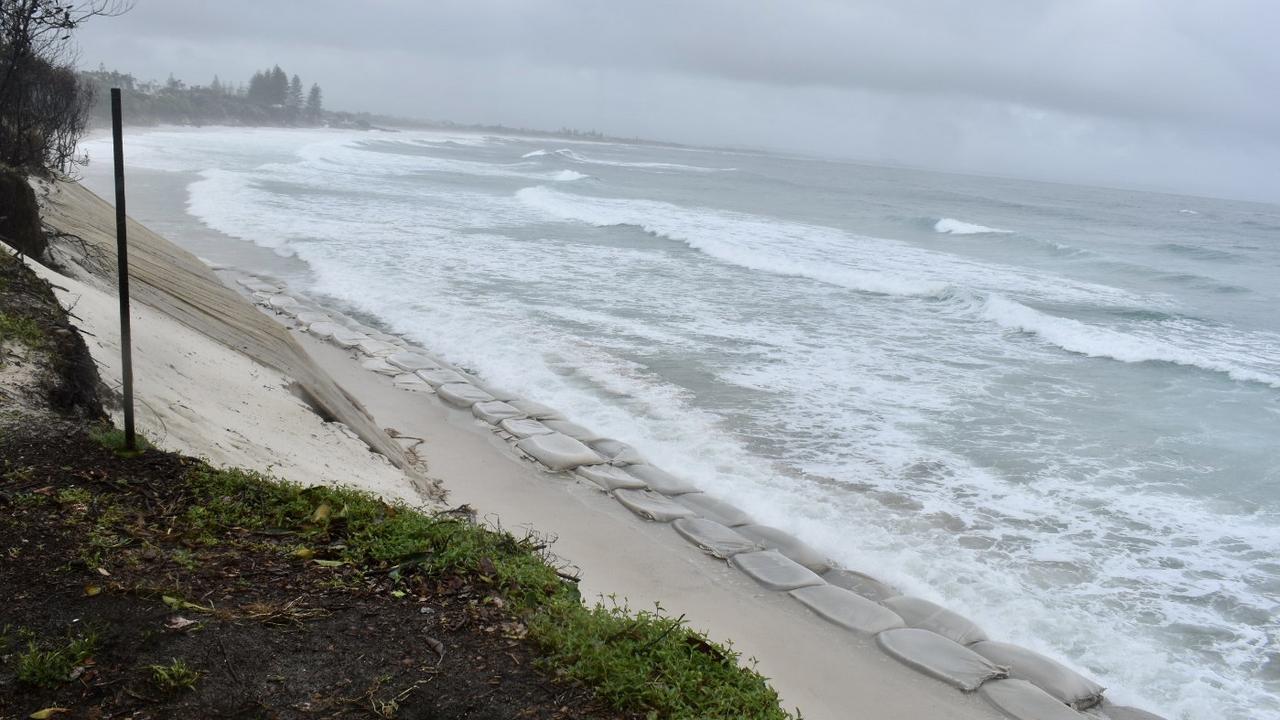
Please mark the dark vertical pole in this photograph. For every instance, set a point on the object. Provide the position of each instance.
(122, 258)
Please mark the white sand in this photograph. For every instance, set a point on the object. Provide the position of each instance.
(199, 397)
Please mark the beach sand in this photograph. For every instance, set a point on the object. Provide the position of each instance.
(825, 671)
(199, 392)
(197, 396)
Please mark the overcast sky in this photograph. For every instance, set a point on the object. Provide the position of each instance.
(1164, 94)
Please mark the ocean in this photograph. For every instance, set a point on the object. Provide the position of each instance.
(1052, 408)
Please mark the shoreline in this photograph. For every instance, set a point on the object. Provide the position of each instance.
(541, 509)
(824, 673)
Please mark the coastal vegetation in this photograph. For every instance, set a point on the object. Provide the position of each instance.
(44, 106)
(270, 98)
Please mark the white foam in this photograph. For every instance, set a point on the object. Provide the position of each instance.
(814, 408)
(1078, 337)
(828, 255)
(959, 227)
(579, 158)
(535, 153)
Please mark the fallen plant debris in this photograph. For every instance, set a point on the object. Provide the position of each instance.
(257, 630)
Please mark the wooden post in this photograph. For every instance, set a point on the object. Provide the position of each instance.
(122, 263)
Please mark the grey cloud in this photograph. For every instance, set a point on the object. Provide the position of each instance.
(1027, 75)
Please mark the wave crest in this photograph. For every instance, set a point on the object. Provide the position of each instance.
(572, 156)
(1092, 341)
(951, 226)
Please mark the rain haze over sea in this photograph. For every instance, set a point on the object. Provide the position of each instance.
(1053, 408)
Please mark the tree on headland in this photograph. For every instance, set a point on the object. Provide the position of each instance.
(293, 100)
(314, 109)
(44, 108)
(257, 92)
(277, 86)
(265, 101)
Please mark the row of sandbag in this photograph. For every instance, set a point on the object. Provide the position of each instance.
(922, 635)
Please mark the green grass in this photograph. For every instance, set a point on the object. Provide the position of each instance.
(50, 667)
(74, 496)
(112, 438)
(636, 661)
(651, 662)
(174, 677)
(22, 330)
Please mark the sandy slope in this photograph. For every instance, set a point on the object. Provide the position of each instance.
(174, 281)
(199, 397)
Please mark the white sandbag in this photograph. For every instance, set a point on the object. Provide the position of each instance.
(380, 366)
(938, 657)
(462, 395)
(498, 393)
(1021, 700)
(258, 285)
(411, 361)
(324, 330)
(409, 381)
(848, 609)
(361, 328)
(280, 302)
(538, 411)
(774, 570)
(661, 480)
(651, 506)
(342, 337)
(377, 348)
(788, 545)
(558, 452)
(295, 309)
(1049, 675)
(616, 451)
(495, 411)
(442, 376)
(920, 613)
(610, 478)
(861, 583)
(712, 537)
(1124, 712)
(715, 509)
(524, 427)
(308, 318)
(573, 430)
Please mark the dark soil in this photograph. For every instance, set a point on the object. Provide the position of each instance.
(270, 635)
(20, 224)
(69, 383)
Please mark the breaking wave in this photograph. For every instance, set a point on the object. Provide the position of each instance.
(572, 156)
(1093, 341)
(951, 226)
